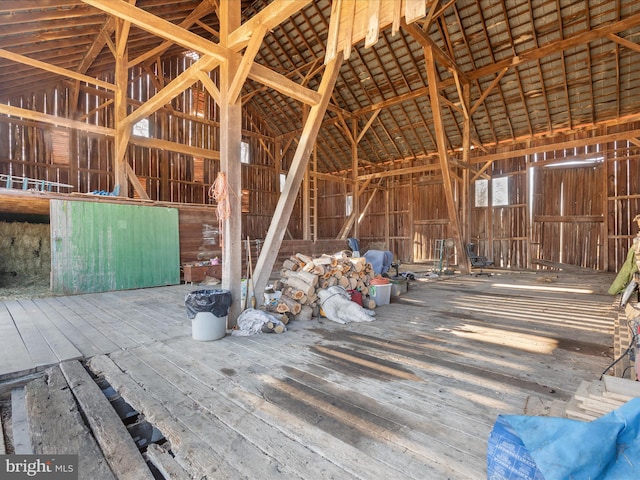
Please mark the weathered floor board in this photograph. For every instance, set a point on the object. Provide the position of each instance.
(57, 427)
(14, 356)
(55, 339)
(39, 350)
(412, 394)
(118, 448)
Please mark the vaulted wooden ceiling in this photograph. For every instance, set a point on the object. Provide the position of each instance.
(534, 67)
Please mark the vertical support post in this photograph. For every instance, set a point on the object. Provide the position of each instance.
(606, 210)
(466, 150)
(432, 76)
(123, 129)
(387, 218)
(412, 227)
(354, 175)
(230, 140)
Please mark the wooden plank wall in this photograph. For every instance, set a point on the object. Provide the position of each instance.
(431, 221)
(569, 227)
(191, 118)
(398, 198)
(332, 208)
(408, 213)
(506, 243)
(623, 199)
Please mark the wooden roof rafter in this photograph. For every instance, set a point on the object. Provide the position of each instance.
(564, 66)
(589, 65)
(516, 73)
(395, 139)
(539, 67)
(204, 8)
(410, 123)
(558, 46)
(498, 90)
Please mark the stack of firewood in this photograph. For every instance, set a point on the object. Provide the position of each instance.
(302, 276)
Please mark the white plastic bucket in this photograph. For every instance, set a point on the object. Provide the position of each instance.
(206, 326)
(380, 293)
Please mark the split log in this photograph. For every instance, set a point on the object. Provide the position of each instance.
(306, 312)
(323, 284)
(336, 273)
(324, 259)
(292, 306)
(304, 258)
(293, 292)
(298, 284)
(369, 303)
(344, 282)
(306, 277)
(290, 265)
(364, 291)
(358, 263)
(332, 281)
(272, 308)
(318, 270)
(353, 283)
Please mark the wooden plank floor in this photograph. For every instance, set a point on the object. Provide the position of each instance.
(41, 332)
(413, 394)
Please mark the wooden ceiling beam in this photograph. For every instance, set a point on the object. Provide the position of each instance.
(174, 88)
(97, 45)
(54, 69)
(558, 46)
(624, 42)
(156, 143)
(245, 64)
(274, 12)
(487, 91)
(54, 120)
(520, 152)
(202, 10)
(443, 58)
(400, 171)
(367, 126)
(209, 85)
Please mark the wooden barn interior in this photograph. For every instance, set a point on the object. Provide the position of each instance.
(144, 143)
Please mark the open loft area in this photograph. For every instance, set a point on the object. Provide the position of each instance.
(512, 125)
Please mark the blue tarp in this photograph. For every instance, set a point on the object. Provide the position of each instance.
(380, 260)
(524, 447)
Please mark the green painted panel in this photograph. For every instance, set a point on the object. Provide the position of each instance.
(98, 247)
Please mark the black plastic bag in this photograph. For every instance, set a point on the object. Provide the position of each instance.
(214, 301)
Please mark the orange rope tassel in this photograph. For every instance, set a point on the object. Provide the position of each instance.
(219, 191)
